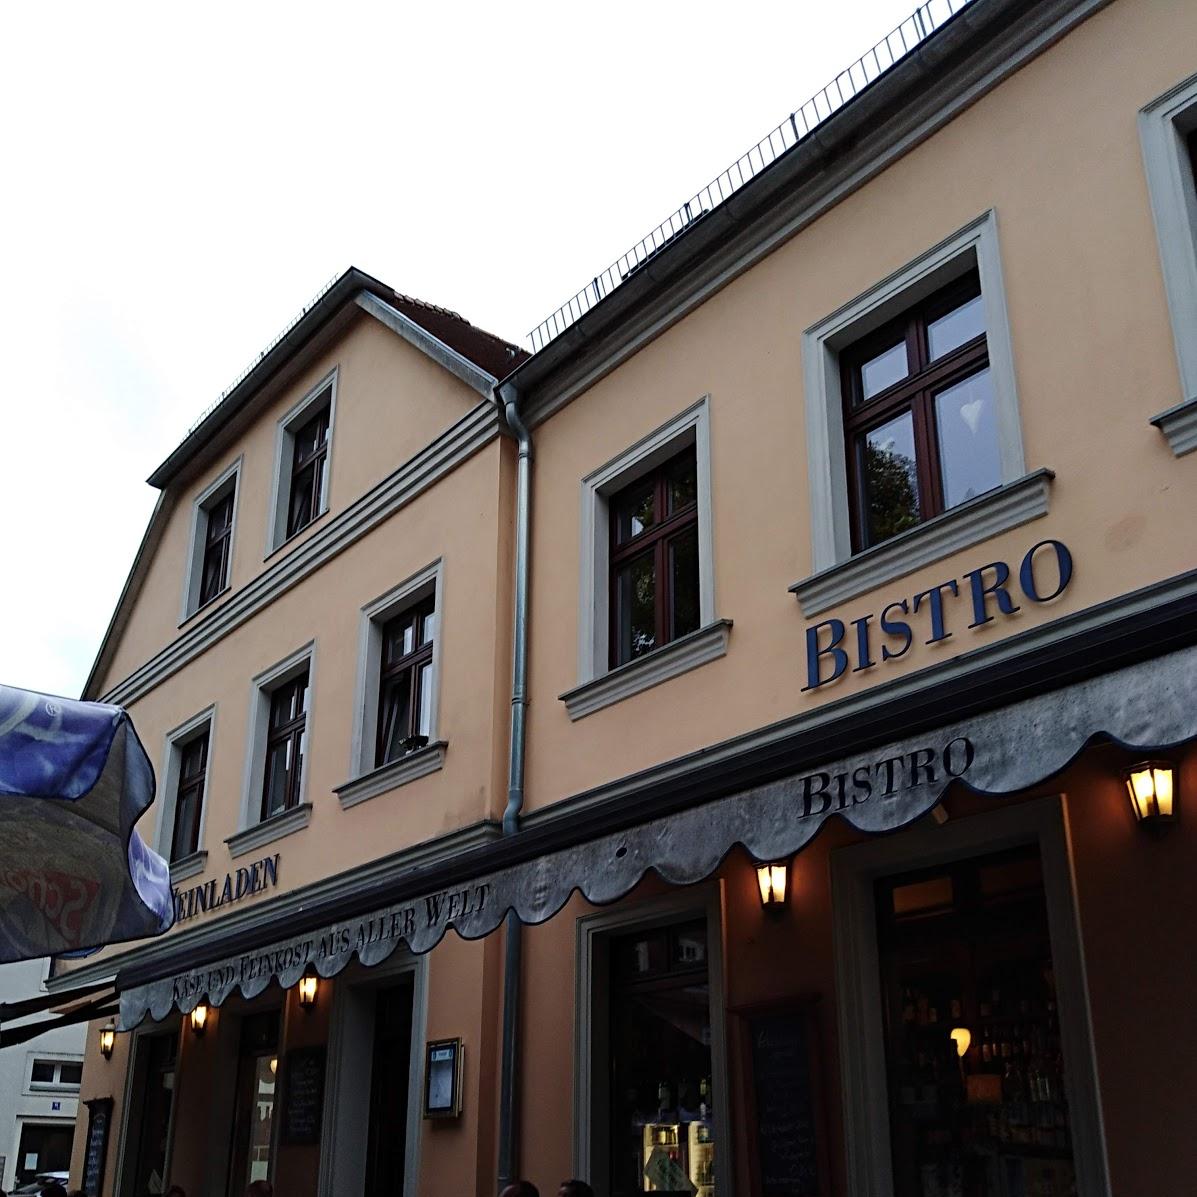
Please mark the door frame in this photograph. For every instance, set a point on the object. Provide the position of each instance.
(591, 1027)
(345, 1125)
(854, 870)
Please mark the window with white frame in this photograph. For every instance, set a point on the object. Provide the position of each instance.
(1168, 133)
(914, 442)
(398, 680)
(184, 792)
(302, 457)
(647, 586)
(58, 1075)
(210, 560)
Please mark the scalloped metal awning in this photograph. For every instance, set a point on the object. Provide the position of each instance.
(1146, 707)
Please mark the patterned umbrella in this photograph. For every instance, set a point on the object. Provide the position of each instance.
(74, 874)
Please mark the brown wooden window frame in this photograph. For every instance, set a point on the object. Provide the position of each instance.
(657, 540)
(915, 393)
(190, 785)
(308, 469)
(292, 731)
(406, 670)
(218, 541)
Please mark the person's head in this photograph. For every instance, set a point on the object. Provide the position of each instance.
(520, 1188)
(54, 1189)
(173, 1191)
(575, 1188)
(260, 1188)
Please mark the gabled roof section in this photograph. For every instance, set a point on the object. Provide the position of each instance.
(474, 355)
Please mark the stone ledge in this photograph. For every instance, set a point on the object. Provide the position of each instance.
(391, 776)
(1179, 426)
(274, 828)
(660, 665)
(979, 519)
(188, 866)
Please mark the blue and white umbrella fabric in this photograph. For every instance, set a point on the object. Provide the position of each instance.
(74, 874)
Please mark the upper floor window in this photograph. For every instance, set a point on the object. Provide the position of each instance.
(919, 414)
(308, 466)
(1168, 132)
(913, 438)
(218, 536)
(286, 744)
(189, 797)
(211, 559)
(405, 682)
(654, 559)
(302, 456)
(56, 1074)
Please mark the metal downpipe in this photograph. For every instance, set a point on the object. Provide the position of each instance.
(508, 1087)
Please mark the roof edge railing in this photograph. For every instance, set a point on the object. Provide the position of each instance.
(799, 125)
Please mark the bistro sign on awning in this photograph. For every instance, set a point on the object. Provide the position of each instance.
(1147, 706)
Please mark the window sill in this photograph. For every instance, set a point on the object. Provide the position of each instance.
(1179, 426)
(205, 606)
(979, 519)
(274, 828)
(188, 866)
(389, 777)
(707, 644)
(290, 540)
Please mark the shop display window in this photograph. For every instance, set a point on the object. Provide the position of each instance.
(973, 1052)
(663, 1136)
(255, 1101)
(150, 1137)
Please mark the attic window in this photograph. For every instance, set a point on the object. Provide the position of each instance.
(303, 456)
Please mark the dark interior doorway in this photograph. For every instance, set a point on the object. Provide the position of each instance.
(386, 1151)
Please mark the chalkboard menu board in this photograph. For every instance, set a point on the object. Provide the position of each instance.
(304, 1095)
(782, 1054)
(99, 1122)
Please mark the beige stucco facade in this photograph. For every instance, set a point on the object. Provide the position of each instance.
(1050, 158)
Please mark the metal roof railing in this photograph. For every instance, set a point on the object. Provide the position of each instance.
(282, 336)
(910, 34)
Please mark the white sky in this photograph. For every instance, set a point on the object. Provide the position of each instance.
(179, 181)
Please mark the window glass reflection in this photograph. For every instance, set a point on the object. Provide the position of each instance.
(956, 328)
(883, 371)
(968, 440)
(890, 479)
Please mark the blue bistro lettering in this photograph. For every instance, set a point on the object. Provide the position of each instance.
(986, 590)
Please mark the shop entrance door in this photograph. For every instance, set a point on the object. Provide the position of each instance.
(251, 1157)
(972, 1034)
(661, 1138)
(386, 1150)
(149, 1128)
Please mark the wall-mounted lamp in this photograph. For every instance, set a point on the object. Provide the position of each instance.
(1152, 793)
(309, 983)
(199, 1019)
(772, 879)
(107, 1039)
(961, 1037)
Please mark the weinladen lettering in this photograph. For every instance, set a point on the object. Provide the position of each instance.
(245, 882)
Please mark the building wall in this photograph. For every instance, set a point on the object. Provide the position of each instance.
(1055, 152)
(391, 401)
(20, 1102)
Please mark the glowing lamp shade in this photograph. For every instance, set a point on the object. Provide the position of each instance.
(772, 881)
(107, 1040)
(1152, 793)
(199, 1019)
(961, 1037)
(308, 986)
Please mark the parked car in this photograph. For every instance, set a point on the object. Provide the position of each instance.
(40, 1181)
